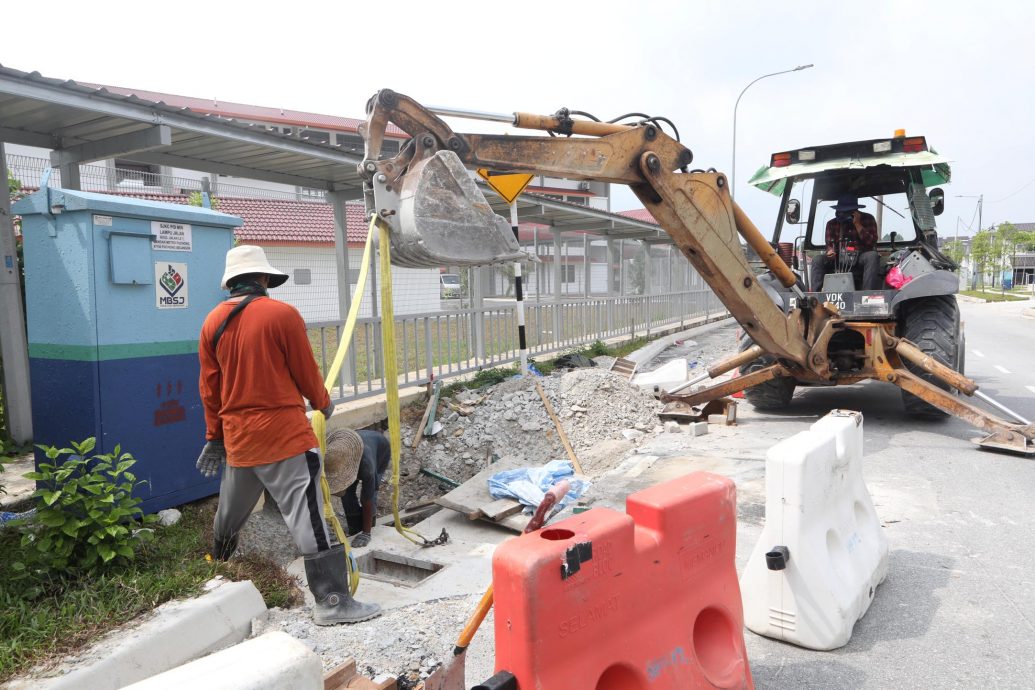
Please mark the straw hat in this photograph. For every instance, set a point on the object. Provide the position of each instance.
(248, 258)
(344, 451)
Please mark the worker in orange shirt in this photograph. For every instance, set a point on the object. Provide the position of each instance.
(256, 367)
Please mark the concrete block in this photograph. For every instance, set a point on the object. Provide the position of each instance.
(274, 661)
(672, 427)
(178, 632)
(698, 428)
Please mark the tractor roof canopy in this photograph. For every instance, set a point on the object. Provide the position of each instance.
(814, 161)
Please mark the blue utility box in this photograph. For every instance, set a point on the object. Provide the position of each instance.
(116, 291)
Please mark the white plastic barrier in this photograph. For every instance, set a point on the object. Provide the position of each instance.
(274, 661)
(823, 552)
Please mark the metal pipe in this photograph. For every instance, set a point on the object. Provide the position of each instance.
(508, 118)
(749, 231)
(1001, 407)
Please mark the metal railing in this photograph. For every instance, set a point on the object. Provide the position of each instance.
(449, 343)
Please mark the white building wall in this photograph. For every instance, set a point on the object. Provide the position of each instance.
(414, 290)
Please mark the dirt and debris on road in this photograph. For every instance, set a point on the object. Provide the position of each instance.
(408, 642)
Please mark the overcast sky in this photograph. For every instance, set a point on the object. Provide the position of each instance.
(960, 73)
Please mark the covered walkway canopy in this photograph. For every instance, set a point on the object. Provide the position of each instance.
(86, 123)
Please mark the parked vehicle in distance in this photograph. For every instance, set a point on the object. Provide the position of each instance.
(449, 286)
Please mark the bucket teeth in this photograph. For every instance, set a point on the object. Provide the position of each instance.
(444, 219)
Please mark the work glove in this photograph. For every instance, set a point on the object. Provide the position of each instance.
(212, 457)
(361, 540)
(327, 411)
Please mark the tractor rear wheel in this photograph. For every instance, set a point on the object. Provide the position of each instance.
(933, 325)
(774, 394)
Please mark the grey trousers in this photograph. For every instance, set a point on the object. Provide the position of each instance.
(294, 484)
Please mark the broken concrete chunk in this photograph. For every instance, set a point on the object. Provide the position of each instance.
(633, 434)
(672, 428)
(530, 426)
(169, 517)
(698, 428)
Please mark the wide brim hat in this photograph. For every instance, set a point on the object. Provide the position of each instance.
(247, 259)
(341, 462)
(848, 203)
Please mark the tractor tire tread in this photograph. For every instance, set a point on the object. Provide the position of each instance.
(933, 325)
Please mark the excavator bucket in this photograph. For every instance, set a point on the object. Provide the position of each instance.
(443, 219)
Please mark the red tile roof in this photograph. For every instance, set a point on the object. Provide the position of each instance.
(309, 222)
(241, 111)
(640, 214)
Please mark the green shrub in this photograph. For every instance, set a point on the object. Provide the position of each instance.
(87, 517)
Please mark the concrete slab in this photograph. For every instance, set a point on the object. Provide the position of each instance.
(274, 661)
(175, 634)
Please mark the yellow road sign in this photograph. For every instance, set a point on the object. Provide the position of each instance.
(507, 185)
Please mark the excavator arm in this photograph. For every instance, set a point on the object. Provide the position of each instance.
(437, 215)
(694, 208)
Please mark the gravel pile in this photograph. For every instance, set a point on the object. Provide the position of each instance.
(408, 642)
(509, 419)
(597, 405)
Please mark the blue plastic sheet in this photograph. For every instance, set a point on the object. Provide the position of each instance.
(528, 485)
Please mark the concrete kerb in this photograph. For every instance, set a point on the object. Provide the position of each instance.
(364, 412)
(177, 633)
(273, 661)
(645, 354)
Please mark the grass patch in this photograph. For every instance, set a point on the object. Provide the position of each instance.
(70, 614)
(992, 296)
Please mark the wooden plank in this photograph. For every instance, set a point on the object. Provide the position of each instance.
(345, 677)
(336, 678)
(500, 508)
(560, 429)
(470, 496)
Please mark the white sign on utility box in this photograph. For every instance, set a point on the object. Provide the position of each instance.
(822, 553)
(171, 237)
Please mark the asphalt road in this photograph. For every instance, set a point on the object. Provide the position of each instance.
(958, 607)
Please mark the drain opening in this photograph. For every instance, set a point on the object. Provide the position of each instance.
(395, 569)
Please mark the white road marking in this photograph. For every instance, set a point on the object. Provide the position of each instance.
(1001, 368)
(978, 353)
(1031, 388)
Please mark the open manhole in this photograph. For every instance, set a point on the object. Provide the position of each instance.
(395, 569)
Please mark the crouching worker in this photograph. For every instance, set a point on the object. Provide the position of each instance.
(356, 464)
(256, 367)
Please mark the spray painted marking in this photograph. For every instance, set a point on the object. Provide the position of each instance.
(978, 353)
(1001, 368)
(1031, 388)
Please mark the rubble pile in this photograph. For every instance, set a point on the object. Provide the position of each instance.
(597, 405)
(509, 419)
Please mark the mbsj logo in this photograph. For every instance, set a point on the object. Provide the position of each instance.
(171, 281)
(170, 285)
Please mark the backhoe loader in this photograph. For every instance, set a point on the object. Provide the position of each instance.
(436, 215)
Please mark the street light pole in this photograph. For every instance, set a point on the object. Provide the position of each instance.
(973, 268)
(733, 175)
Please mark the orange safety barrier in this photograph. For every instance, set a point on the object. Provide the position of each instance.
(613, 601)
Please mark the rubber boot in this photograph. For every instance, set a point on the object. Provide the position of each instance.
(223, 549)
(354, 523)
(328, 581)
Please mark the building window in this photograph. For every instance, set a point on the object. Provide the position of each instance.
(580, 200)
(136, 174)
(568, 273)
(303, 276)
(316, 135)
